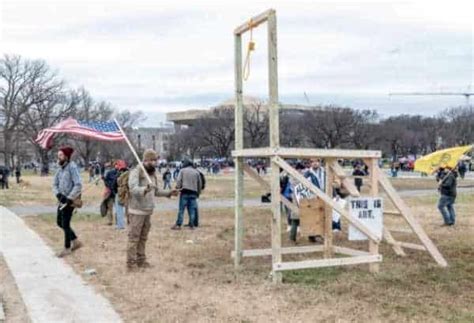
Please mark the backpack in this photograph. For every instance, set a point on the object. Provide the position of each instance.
(203, 180)
(123, 190)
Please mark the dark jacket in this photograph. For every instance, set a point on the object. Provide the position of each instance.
(448, 183)
(358, 181)
(110, 181)
(167, 176)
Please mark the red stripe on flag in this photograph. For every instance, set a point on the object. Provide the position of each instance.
(71, 126)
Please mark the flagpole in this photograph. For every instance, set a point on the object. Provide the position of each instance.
(140, 164)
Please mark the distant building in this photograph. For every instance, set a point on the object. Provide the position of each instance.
(157, 138)
(188, 117)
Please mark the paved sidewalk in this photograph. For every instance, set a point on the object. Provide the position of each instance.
(51, 290)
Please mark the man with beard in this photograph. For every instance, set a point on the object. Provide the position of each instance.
(140, 209)
(67, 187)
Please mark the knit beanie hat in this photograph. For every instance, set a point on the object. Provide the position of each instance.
(67, 151)
(150, 154)
(120, 164)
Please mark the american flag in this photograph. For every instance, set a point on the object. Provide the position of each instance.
(99, 130)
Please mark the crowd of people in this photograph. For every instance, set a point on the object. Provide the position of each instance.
(128, 198)
(5, 174)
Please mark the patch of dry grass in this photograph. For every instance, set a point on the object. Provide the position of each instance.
(35, 189)
(196, 281)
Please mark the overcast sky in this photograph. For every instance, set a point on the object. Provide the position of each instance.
(161, 56)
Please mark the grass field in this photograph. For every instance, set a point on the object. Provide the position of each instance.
(36, 190)
(194, 281)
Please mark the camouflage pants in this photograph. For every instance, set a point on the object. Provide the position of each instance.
(138, 230)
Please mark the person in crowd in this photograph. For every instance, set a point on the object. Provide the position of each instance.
(203, 182)
(189, 183)
(140, 208)
(358, 181)
(317, 175)
(18, 174)
(98, 171)
(294, 218)
(167, 178)
(2, 169)
(91, 173)
(286, 189)
(110, 182)
(176, 172)
(114, 175)
(4, 177)
(462, 168)
(447, 182)
(67, 187)
(393, 170)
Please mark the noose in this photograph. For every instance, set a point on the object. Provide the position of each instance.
(250, 49)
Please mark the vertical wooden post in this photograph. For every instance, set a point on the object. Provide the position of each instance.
(239, 144)
(374, 192)
(274, 143)
(273, 82)
(328, 246)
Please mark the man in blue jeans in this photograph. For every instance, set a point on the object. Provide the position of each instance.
(189, 183)
(446, 178)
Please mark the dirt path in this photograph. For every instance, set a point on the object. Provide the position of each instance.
(51, 290)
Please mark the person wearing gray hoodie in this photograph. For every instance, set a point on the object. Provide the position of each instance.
(190, 184)
(67, 187)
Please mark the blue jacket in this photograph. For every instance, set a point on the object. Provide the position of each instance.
(67, 181)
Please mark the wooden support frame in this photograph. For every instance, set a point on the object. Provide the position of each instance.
(374, 192)
(345, 181)
(276, 155)
(305, 153)
(320, 263)
(408, 216)
(302, 249)
(328, 200)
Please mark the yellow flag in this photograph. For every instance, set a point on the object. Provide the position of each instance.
(446, 157)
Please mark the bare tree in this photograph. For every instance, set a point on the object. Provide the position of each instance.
(23, 84)
(217, 131)
(256, 125)
(364, 132)
(45, 114)
(329, 126)
(458, 125)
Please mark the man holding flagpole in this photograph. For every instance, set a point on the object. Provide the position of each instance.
(143, 187)
(444, 162)
(447, 181)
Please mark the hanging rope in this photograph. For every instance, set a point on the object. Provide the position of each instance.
(250, 48)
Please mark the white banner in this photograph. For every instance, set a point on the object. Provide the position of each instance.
(369, 211)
